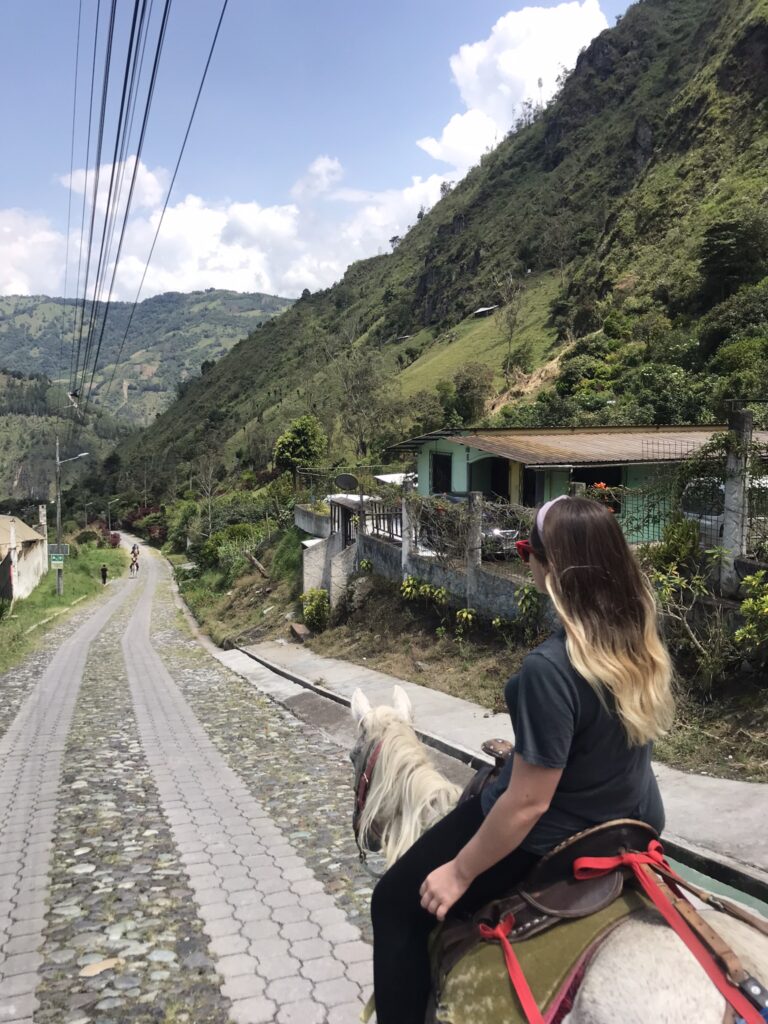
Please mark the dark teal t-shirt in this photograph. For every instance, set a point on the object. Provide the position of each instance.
(560, 722)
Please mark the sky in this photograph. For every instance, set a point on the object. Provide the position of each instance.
(322, 130)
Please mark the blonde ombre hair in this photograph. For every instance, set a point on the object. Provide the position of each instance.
(609, 613)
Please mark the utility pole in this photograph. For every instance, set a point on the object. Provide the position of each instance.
(109, 513)
(59, 464)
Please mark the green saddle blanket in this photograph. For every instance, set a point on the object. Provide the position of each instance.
(478, 989)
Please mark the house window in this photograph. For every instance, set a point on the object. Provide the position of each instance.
(440, 472)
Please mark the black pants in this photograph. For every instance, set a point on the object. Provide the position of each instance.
(401, 927)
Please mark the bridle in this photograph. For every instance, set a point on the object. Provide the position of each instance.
(362, 784)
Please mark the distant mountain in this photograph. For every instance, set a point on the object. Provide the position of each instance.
(170, 337)
(633, 212)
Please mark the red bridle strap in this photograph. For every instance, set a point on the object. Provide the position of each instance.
(642, 865)
(516, 975)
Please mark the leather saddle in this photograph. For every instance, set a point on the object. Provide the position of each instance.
(550, 893)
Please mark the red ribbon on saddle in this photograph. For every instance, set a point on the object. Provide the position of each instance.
(516, 975)
(592, 867)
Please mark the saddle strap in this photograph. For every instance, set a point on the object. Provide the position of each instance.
(722, 905)
(643, 866)
(516, 975)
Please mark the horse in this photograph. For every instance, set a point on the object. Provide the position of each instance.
(642, 973)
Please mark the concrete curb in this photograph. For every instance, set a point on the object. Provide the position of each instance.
(724, 869)
(452, 749)
(718, 866)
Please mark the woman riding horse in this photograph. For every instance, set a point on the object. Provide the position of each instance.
(586, 707)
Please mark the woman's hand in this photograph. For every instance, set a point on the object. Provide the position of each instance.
(442, 888)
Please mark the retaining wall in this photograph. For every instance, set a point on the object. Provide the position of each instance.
(311, 522)
(385, 556)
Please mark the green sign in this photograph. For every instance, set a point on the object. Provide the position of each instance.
(57, 561)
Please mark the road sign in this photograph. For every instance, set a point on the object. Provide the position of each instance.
(57, 561)
(58, 549)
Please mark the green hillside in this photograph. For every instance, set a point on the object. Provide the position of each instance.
(171, 335)
(623, 231)
(29, 422)
(632, 212)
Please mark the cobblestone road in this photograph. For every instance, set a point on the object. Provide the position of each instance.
(174, 847)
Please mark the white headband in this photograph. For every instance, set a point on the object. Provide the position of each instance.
(541, 514)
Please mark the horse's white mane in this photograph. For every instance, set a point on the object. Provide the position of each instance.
(407, 793)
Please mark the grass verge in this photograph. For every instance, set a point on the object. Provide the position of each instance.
(251, 608)
(82, 579)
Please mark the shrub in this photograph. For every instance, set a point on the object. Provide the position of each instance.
(753, 635)
(87, 537)
(678, 548)
(317, 609)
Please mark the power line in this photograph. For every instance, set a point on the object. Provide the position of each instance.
(72, 366)
(167, 197)
(134, 176)
(121, 120)
(69, 200)
(96, 176)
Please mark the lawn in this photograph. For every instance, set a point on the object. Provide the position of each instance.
(481, 340)
(81, 580)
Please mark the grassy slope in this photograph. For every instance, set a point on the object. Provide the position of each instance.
(482, 340)
(603, 163)
(81, 579)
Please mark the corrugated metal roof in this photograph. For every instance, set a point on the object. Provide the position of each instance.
(24, 533)
(593, 446)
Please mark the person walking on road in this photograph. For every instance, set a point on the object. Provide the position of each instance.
(104, 572)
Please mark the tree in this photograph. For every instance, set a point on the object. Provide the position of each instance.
(733, 252)
(207, 480)
(473, 383)
(304, 443)
(511, 286)
(394, 241)
(446, 187)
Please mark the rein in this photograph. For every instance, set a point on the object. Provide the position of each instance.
(362, 786)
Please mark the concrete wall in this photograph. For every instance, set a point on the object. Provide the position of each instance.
(316, 562)
(430, 571)
(384, 555)
(29, 569)
(491, 594)
(310, 522)
(329, 565)
(342, 566)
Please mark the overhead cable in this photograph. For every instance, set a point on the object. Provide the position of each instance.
(167, 197)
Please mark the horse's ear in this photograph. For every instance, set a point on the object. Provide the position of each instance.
(401, 703)
(360, 705)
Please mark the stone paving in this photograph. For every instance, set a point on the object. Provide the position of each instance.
(285, 950)
(18, 682)
(30, 764)
(302, 778)
(123, 940)
(174, 848)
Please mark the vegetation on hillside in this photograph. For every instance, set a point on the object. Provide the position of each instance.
(622, 232)
(172, 337)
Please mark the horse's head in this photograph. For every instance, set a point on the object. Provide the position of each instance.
(372, 726)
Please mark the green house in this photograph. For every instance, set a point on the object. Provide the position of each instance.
(530, 466)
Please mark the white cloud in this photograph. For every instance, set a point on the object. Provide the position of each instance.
(308, 241)
(494, 76)
(322, 174)
(464, 139)
(31, 254)
(148, 191)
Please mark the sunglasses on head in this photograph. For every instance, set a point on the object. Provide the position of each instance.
(523, 548)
